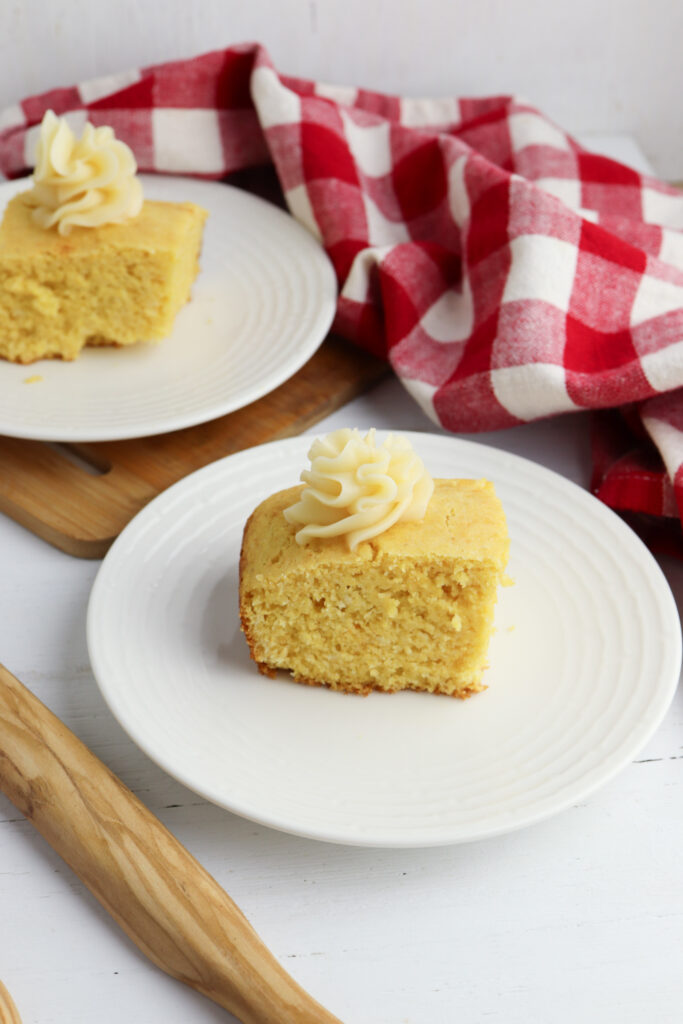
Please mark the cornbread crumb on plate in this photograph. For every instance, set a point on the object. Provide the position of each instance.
(409, 609)
(114, 284)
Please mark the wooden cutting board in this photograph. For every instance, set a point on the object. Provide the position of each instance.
(79, 497)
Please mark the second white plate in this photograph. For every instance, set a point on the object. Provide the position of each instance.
(584, 663)
(263, 302)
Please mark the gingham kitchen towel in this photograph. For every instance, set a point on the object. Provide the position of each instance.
(505, 272)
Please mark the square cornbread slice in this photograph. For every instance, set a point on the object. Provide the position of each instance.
(115, 284)
(410, 609)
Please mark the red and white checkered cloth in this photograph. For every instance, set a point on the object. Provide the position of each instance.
(506, 273)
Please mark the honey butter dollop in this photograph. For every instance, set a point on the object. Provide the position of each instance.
(358, 489)
(82, 182)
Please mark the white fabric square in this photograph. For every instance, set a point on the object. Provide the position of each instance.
(420, 113)
(187, 140)
(664, 368)
(423, 395)
(344, 94)
(369, 144)
(669, 441)
(458, 197)
(451, 317)
(654, 298)
(542, 268)
(660, 208)
(97, 88)
(671, 249)
(300, 204)
(533, 390)
(527, 129)
(12, 117)
(566, 189)
(75, 119)
(275, 103)
(381, 230)
(356, 285)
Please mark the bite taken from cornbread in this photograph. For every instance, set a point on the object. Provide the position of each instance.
(84, 260)
(370, 575)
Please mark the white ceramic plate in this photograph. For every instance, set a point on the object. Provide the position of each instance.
(583, 665)
(262, 303)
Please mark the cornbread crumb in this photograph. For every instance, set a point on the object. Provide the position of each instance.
(410, 609)
(33, 380)
(115, 284)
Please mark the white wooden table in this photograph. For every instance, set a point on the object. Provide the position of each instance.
(576, 919)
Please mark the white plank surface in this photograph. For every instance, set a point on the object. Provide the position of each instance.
(577, 919)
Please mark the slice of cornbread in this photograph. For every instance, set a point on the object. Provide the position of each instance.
(410, 609)
(115, 284)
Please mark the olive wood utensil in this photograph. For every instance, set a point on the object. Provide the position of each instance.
(8, 1011)
(164, 900)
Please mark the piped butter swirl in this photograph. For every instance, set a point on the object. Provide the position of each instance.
(358, 489)
(84, 182)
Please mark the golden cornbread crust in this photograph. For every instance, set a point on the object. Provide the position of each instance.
(113, 285)
(411, 609)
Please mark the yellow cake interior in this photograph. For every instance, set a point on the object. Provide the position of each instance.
(115, 284)
(410, 609)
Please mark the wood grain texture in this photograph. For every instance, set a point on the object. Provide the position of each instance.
(82, 513)
(8, 1011)
(173, 910)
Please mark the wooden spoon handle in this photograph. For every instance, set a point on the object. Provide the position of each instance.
(158, 893)
(8, 1011)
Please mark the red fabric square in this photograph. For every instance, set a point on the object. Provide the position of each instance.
(215, 80)
(418, 356)
(529, 331)
(425, 270)
(388, 107)
(535, 162)
(489, 223)
(328, 197)
(59, 100)
(326, 155)
(437, 227)
(244, 144)
(419, 180)
(535, 212)
(591, 351)
(469, 408)
(602, 299)
(595, 239)
(646, 237)
(487, 280)
(343, 253)
(381, 191)
(601, 170)
(138, 96)
(489, 135)
(400, 312)
(659, 333)
(478, 356)
(602, 369)
(475, 110)
(133, 126)
(298, 85)
(364, 322)
(14, 151)
(619, 200)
